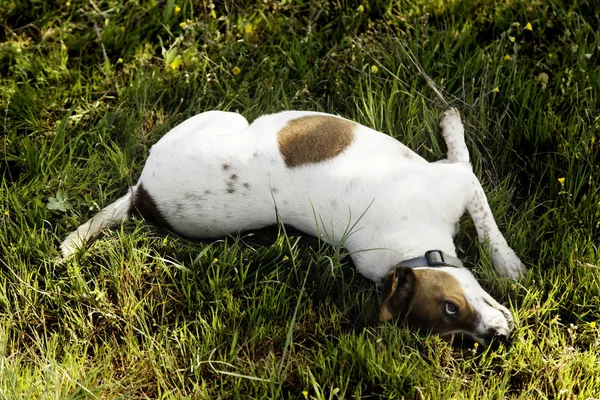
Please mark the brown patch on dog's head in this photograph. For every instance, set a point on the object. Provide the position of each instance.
(427, 298)
(314, 138)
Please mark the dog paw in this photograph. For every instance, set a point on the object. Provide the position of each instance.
(508, 263)
(450, 119)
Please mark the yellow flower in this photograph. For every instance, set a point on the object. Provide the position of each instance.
(496, 89)
(215, 260)
(63, 47)
(305, 394)
(177, 10)
(6, 213)
(236, 71)
(593, 324)
(561, 180)
(285, 258)
(68, 4)
(248, 28)
(512, 39)
(213, 14)
(120, 60)
(374, 69)
(543, 78)
(528, 27)
(176, 62)
(183, 24)
(507, 58)
(361, 9)
(475, 345)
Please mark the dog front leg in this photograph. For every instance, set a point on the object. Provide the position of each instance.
(453, 133)
(503, 257)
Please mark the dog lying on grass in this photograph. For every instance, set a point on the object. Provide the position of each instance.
(395, 213)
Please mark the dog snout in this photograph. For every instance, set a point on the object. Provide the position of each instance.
(501, 330)
(498, 326)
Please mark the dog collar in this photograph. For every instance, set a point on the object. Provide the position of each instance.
(432, 258)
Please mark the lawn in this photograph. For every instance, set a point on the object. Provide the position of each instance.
(86, 88)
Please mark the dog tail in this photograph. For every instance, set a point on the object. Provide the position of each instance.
(110, 216)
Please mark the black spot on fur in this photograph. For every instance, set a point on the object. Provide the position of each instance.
(233, 177)
(230, 188)
(207, 192)
(255, 155)
(275, 190)
(145, 206)
(247, 185)
(226, 167)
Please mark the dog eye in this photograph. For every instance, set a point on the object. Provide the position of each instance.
(451, 308)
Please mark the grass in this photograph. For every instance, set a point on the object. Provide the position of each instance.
(86, 87)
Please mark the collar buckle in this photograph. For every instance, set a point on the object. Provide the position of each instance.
(432, 258)
(435, 258)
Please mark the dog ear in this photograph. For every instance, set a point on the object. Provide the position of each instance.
(398, 291)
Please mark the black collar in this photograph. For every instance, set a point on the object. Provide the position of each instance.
(432, 258)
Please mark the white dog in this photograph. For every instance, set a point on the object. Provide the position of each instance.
(395, 213)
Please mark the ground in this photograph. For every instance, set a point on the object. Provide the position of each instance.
(87, 86)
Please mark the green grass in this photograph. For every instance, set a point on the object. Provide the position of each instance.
(146, 314)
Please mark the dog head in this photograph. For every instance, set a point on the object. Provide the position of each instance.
(446, 300)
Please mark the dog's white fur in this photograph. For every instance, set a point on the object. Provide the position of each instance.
(215, 174)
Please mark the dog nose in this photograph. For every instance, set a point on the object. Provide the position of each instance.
(498, 336)
(501, 337)
(509, 319)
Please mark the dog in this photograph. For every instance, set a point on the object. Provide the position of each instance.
(395, 213)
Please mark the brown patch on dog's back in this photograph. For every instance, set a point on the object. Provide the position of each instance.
(314, 138)
(145, 206)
